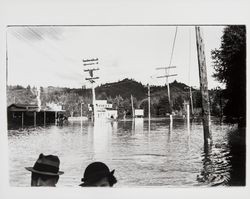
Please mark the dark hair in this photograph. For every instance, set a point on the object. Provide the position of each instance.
(35, 176)
(112, 180)
(95, 172)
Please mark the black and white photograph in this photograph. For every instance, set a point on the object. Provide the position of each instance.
(126, 105)
(137, 99)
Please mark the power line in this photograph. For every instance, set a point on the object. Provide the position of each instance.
(189, 57)
(172, 51)
(189, 69)
(167, 75)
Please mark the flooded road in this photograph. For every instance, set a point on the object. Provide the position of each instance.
(142, 154)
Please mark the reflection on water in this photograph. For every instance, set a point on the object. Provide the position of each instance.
(101, 139)
(142, 152)
(216, 166)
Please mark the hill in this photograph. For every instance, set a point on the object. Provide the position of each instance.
(124, 88)
(118, 93)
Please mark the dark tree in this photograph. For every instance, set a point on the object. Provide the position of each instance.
(178, 103)
(230, 69)
(28, 87)
(197, 101)
(217, 101)
(163, 106)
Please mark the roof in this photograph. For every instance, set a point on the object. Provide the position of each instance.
(101, 102)
(30, 107)
(23, 106)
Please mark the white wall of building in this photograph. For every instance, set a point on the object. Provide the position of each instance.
(139, 112)
(102, 110)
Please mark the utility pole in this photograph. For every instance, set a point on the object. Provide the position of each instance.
(191, 98)
(22, 119)
(203, 86)
(188, 119)
(149, 113)
(91, 79)
(81, 109)
(167, 75)
(132, 103)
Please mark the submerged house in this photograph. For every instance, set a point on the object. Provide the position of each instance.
(139, 113)
(104, 110)
(20, 115)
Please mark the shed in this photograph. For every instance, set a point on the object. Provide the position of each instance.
(20, 115)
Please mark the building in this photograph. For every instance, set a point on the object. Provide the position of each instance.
(139, 113)
(20, 115)
(104, 110)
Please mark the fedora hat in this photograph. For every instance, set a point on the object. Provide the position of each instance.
(95, 172)
(46, 165)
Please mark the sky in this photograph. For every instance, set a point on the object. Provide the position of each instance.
(52, 55)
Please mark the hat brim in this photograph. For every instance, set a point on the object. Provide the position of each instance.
(87, 183)
(82, 184)
(44, 173)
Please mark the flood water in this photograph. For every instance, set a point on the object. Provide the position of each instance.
(142, 154)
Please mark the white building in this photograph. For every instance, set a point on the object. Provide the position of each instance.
(54, 106)
(139, 112)
(104, 110)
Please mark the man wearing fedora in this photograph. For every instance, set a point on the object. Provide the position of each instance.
(97, 174)
(45, 171)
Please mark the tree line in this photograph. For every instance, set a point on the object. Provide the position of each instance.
(230, 69)
(119, 95)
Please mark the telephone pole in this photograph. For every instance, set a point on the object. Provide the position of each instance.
(190, 98)
(167, 75)
(91, 79)
(149, 113)
(169, 99)
(133, 110)
(203, 86)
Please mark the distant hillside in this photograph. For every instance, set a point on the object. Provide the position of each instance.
(118, 93)
(124, 88)
(128, 87)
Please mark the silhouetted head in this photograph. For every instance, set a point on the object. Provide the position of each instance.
(98, 174)
(45, 171)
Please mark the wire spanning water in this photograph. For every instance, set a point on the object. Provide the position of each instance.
(139, 155)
